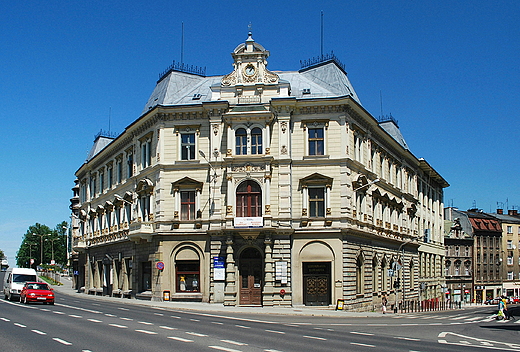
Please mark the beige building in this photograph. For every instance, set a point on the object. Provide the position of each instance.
(259, 188)
(510, 258)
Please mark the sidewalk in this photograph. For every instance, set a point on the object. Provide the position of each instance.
(217, 308)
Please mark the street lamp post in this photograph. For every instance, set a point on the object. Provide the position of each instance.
(51, 240)
(41, 246)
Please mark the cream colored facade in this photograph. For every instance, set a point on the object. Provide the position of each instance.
(259, 188)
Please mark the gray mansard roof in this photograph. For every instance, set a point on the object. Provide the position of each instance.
(322, 80)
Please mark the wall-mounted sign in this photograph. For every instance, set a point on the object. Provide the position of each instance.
(249, 222)
(219, 268)
(281, 272)
(159, 265)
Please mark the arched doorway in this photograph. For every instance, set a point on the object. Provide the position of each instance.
(317, 259)
(250, 271)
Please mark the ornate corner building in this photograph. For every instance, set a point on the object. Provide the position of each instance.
(258, 188)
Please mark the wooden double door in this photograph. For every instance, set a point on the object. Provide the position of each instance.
(316, 284)
(251, 274)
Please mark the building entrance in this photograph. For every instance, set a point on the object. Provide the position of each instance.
(250, 269)
(316, 284)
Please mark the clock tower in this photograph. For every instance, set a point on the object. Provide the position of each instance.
(250, 82)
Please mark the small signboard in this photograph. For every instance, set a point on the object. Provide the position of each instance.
(247, 222)
(340, 304)
(219, 268)
(281, 271)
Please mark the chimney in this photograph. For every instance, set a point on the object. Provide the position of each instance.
(500, 211)
(511, 212)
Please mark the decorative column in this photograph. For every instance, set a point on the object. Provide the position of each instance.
(269, 278)
(230, 293)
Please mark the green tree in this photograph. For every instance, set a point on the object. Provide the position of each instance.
(43, 245)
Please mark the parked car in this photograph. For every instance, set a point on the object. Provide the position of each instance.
(493, 301)
(37, 292)
(513, 300)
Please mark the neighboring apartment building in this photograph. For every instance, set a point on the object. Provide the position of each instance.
(459, 258)
(510, 258)
(486, 232)
(258, 188)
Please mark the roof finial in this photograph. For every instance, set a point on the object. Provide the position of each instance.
(250, 33)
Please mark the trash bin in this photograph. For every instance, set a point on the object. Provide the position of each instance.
(166, 295)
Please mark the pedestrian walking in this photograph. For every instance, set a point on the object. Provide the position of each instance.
(384, 302)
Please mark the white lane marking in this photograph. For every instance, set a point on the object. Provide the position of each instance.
(4, 319)
(179, 339)
(145, 323)
(275, 332)
(217, 322)
(20, 325)
(224, 349)
(58, 312)
(195, 334)
(127, 319)
(406, 338)
(167, 327)
(272, 351)
(147, 332)
(110, 315)
(194, 319)
(39, 332)
(234, 342)
(361, 333)
(75, 316)
(119, 326)
(314, 337)
(123, 308)
(95, 320)
(63, 342)
(243, 327)
(175, 317)
(159, 314)
(362, 344)
(82, 309)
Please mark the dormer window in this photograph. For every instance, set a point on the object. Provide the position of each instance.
(306, 91)
(196, 96)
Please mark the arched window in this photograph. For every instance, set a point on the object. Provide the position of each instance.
(241, 141)
(375, 276)
(249, 200)
(359, 275)
(256, 141)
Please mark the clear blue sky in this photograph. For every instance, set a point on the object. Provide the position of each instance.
(447, 71)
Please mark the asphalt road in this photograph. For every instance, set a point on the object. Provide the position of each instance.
(79, 323)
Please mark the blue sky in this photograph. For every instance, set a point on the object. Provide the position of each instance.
(447, 71)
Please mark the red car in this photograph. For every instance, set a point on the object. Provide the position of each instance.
(37, 292)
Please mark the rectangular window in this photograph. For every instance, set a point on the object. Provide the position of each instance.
(101, 182)
(110, 178)
(119, 171)
(130, 164)
(316, 202)
(188, 146)
(146, 156)
(509, 230)
(188, 205)
(509, 244)
(316, 141)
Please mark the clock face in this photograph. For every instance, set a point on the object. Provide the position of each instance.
(250, 70)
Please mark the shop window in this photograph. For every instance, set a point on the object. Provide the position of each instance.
(187, 276)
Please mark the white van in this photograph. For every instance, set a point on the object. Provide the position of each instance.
(14, 280)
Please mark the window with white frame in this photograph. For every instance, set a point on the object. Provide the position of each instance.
(316, 202)
(509, 230)
(510, 275)
(249, 141)
(130, 164)
(187, 194)
(146, 154)
(509, 244)
(188, 146)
